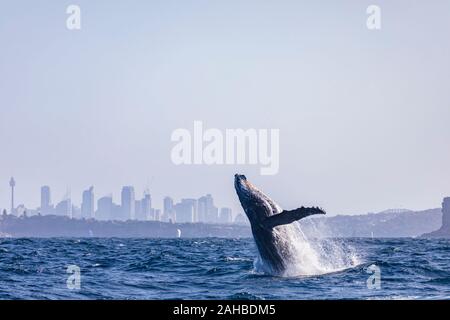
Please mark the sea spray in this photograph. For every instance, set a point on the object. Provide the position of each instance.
(311, 253)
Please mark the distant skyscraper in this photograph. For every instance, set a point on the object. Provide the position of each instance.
(87, 204)
(46, 206)
(104, 208)
(194, 204)
(202, 209)
(185, 210)
(214, 215)
(116, 212)
(64, 208)
(157, 214)
(146, 208)
(226, 215)
(128, 203)
(138, 210)
(207, 212)
(12, 184)
(168, 210)
(168, 205)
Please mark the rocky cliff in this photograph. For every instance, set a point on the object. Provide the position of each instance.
(444, 231)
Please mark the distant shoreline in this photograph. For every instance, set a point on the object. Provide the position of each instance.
(408, 224)
(59, 226)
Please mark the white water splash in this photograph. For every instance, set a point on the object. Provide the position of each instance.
(312, 254)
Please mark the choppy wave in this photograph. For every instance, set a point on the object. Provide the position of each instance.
(221, 269)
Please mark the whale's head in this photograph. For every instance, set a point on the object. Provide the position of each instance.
(241, 183)
(255, 203)
(245, 190)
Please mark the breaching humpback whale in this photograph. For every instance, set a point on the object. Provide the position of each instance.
(271, 226)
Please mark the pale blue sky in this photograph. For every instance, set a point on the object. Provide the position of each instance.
(364, 116)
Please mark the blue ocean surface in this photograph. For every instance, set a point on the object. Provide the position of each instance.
(213, 268)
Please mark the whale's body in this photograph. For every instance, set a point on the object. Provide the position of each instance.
(271, 226)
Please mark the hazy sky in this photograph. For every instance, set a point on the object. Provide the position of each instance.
(364, 116)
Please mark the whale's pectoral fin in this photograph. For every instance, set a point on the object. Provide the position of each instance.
(289, 216)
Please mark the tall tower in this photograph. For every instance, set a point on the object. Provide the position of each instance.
(45, 200)
(87, 204)
(146, 207)
(168, 205)
(168, 210)
(128, 203)
(12, 184)
(207, 212)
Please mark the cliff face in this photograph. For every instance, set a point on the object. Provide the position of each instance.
(380, 225)
(444, 231)
(446, 214)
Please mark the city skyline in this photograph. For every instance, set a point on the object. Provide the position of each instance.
(131, 207)
(114, 203)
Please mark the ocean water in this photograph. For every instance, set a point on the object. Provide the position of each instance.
(214, 268)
